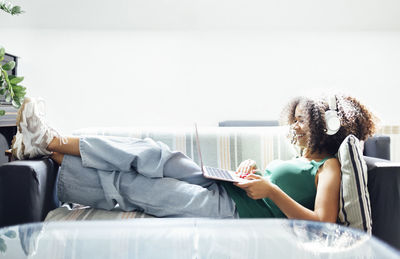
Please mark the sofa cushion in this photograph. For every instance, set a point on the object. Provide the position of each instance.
(355, 208)
(221, 147)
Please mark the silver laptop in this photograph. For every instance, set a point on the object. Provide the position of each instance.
(216, 173)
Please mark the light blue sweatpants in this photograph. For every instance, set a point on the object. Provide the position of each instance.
(140, 174)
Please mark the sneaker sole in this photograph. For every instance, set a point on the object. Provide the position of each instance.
(14, 151)
(19, 113)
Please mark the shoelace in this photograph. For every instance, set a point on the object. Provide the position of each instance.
(40, 110)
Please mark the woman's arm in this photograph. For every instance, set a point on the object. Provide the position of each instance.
(326, 201)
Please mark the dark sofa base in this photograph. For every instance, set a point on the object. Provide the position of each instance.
(384, 191)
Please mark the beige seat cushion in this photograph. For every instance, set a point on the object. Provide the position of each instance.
(79, 212)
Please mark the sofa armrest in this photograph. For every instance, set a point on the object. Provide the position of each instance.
(384, 190)
(27, 190)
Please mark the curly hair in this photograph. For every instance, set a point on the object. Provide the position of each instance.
(354, 117)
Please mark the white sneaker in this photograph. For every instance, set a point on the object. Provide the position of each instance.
(36, 133)
(21, 151)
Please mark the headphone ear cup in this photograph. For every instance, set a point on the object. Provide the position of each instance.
(332, 122)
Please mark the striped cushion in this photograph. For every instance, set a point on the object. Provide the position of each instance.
(355, 208)
(78, 212)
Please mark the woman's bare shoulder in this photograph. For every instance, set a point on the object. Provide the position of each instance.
(329, 171)
(332, 164)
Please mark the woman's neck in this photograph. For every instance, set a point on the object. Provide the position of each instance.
(314, 155)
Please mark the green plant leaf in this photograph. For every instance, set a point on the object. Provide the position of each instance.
(16, 103)
(8, 66)
(9, 8)
(20, 94)
(2, 113)
(10, 234)
(16, 10)
(17, 88)
(16, 80)
(8, 97)
(2, 91)
(2, 52)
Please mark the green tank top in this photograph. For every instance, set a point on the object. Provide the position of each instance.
(295, 177)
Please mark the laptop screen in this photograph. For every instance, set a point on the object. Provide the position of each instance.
(198, 146)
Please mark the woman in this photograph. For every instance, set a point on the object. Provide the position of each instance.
(144, 175)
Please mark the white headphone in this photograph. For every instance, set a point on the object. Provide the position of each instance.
(332, 120)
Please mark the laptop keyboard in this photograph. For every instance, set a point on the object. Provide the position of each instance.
(216, 172)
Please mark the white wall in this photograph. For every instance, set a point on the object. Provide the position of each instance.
(208, 14)
(146, 72)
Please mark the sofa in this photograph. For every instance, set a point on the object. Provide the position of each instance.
(28, 193)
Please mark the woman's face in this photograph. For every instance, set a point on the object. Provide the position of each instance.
(300, 127)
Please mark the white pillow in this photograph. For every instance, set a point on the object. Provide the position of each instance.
(355, 207)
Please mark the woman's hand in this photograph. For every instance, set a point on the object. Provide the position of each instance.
(246, 167)
(257, 187)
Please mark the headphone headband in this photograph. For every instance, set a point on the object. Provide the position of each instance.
(332, 103)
